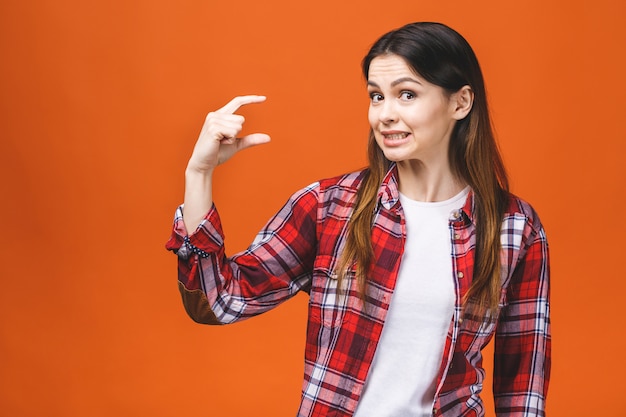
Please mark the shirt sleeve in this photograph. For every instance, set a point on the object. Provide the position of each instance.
(523, 340)
(217, 289)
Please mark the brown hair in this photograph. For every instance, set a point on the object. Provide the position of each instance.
(442, 57)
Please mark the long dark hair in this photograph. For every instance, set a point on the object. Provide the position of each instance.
(444, 58)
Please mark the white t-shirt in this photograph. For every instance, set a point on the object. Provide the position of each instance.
(403, 374)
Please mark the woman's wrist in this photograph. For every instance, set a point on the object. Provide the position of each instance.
(195, 171)
(198, 199)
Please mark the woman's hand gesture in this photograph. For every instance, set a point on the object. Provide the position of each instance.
(218, 142)
(218, 139)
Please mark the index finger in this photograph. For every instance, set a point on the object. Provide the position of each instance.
(239, 101)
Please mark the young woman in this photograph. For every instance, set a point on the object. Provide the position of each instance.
(412, 265)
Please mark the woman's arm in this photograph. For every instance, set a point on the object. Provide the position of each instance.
(523, 339)
(217, 289)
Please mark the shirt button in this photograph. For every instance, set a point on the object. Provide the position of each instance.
(461, 275)
(457, 236)
(435, 411)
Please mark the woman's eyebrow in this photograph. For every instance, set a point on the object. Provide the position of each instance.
(405, 79)
(396, 82)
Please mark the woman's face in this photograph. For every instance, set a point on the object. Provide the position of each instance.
(412, 119)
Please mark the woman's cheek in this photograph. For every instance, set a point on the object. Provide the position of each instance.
(372, 117)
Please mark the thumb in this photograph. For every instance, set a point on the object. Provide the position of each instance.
(253, 140)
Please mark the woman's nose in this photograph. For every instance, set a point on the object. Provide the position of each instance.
(387, 112)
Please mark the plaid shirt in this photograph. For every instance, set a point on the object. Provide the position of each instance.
(298, 250)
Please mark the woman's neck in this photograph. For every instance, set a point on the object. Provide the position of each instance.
(428, 183)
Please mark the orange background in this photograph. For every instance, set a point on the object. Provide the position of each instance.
(101, 102)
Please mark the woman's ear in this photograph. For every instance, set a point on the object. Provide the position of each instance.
(463, 101)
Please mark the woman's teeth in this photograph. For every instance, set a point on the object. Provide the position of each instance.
(397, 136)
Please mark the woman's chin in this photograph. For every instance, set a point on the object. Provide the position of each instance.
(394, 156)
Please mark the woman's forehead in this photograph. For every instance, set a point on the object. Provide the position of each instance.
(391, 65)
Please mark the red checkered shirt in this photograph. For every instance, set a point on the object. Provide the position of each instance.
(298, 250)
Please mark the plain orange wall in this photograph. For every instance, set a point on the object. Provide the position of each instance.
(101, 102)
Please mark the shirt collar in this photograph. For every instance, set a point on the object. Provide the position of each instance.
(389, 197)
(465, 214)
(388, 193)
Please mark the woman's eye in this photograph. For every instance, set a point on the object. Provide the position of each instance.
(376, 97)
(407, 95)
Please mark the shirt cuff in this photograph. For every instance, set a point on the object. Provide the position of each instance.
(206, 239)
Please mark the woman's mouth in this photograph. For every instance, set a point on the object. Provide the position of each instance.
(394, 138)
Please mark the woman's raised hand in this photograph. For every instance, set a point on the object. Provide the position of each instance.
(218, 139)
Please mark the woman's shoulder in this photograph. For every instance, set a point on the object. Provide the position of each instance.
(333, 192)
(348, 182)
(342, 187)
(522, 209)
